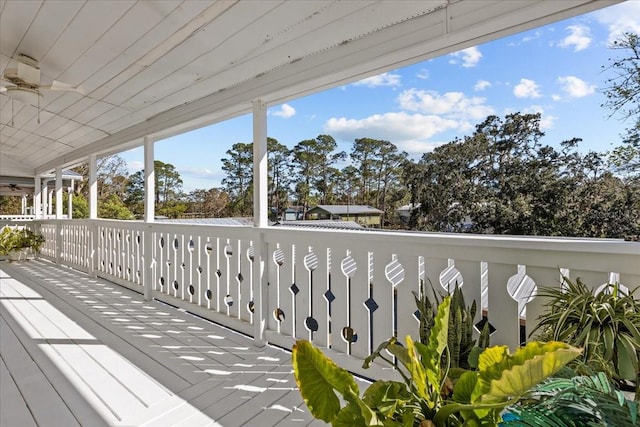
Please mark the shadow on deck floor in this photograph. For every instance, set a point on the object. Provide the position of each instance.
(83, 351)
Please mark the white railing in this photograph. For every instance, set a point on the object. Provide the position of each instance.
(345, 290)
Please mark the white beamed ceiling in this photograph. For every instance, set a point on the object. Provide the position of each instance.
(159, 68)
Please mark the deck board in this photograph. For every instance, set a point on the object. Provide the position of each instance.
(10, 396)
(85, 351)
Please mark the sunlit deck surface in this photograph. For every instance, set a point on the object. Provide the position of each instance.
(82, 351)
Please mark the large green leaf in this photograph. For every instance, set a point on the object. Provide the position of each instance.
(527, 367)
(317, 377)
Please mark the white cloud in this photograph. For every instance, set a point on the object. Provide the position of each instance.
(135, 166)
(286, 111)
(384, 79)
(481, 85)
(410, 132)
(204, 173)
(470, 56)
(579, 38)
(451, 104)
(536, 35)
(623, 17)
(527, 89)
(547, 121)
(423, 74)
(576, 87)
(556, 97)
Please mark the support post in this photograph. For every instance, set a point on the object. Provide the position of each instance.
(70, 201)
(93, 215)
(37, 197)
(45, 197)
(93, 187)
(59, 228)
(149, 218)
(59, 202)
(260, 221)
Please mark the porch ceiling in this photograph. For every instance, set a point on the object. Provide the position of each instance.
(163, 67)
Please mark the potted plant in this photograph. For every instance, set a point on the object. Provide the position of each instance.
(606, 324)
(17, 243)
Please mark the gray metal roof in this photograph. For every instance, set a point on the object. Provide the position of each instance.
(320, 223)
(208, 221)
(347, 209)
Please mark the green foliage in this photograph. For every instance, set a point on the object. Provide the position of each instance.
(606, 325)
(623, 95)
(113, 207)
(10, 205)
(463, 351)
(502, 180)
(15, 239)
(478, 398)
(574, 402)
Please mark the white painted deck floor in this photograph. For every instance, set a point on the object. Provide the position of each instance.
(81, 351)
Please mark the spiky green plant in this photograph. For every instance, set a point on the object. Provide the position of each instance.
(574, 402)
(606, 325)
(460, 338)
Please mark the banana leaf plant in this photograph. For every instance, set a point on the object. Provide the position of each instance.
(479, 397)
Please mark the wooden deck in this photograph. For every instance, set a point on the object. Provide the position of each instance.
(81, 351)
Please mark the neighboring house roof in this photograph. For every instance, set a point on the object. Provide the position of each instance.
(344, 209)
(208, 221)
(408, 207)
(350, 225)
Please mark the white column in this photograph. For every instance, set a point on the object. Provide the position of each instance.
(93, 187)
(93, 215)
(45, 197)
(70, 201)
(149, 218)
(149, 181)
(260, 220)
(37, 197)
(260, 166)
(59, 195)
(23, 206)
(49, 201)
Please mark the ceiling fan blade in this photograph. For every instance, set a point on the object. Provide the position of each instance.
(56, 85)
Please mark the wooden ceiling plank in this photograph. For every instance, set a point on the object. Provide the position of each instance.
(50, 22)
(15, 21)
(90, 23)
(126, 66)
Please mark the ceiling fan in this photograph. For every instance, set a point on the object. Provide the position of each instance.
(24, 82)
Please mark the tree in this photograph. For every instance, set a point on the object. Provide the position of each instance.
(111, 177)
(502, 180)
(280, 170)
(168, 191)
(113, 207)
(10, 205)
(238, 182)
(168, 182)
(315, 160)
(623, 97)
(212, 203)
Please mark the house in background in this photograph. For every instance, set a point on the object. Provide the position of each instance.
(293, 213)
(363, 215)
(404, 212)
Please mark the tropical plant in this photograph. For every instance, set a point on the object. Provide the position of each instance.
(16, 239)
(605, 324)
(478, 398)
(463, 351)
(574, 402)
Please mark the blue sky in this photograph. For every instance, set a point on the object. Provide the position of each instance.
(555, 70)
